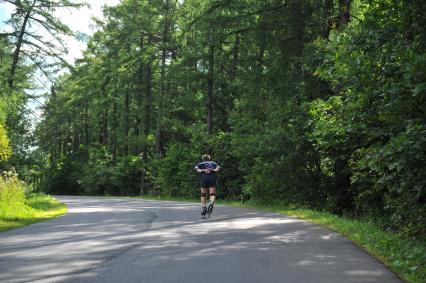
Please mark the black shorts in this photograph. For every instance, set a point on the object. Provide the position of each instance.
(208, 180)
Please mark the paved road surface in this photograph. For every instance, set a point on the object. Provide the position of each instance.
(130, 240)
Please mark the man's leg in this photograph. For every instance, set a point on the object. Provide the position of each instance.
(212, 193)
(203, 200)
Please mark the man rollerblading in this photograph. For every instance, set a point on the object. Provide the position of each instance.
(208, 170)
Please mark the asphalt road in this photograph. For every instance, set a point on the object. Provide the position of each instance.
(131, 240)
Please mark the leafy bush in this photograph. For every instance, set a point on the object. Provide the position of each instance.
(175, 173)
(5, 150)
(102, 176)
(390, 180)
(61, 177)
(275, 157)
(125, 176)
(12, 194)
(374, 122)
(12, 190)
(95, 177)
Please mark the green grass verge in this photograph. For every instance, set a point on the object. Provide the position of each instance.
(405, 257)
(37, 207)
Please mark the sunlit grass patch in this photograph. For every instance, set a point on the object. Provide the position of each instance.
(35, 208)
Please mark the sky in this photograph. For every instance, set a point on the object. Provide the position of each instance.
(78, 20)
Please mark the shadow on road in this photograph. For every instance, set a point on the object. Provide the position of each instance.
(125, 240)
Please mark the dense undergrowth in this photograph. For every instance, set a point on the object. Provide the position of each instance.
(19, 207)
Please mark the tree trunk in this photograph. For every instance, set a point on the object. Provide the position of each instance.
(114, 130)
(86, 126)
(77, 127)
(68, 139)
(103, 134)
(342, 187)
(262, 41)
(18, 47)
(148, 101)
(329, 14)
(160, 103)
(210, 86)
(160, 110)
(126, 120)
(235, 56)
(147, 121)
(139, 99)
(344, 12)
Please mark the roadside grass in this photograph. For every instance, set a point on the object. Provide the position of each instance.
(401, 254)
(36, 207)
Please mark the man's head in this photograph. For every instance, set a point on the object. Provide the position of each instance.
(206, 157)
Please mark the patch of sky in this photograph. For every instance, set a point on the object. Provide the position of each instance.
(5, 12)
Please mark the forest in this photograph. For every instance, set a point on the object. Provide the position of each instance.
(317, 103)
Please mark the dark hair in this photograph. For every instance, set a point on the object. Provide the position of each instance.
(206, 157)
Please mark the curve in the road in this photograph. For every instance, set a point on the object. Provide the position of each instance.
(132, 240)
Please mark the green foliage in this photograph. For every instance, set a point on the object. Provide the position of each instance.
(12, 192)
(34, 208)
(390, 180)
(97, 172)
(333, 141)
(274, 157)
(5, 150)
(230, 182)
(19, 206)
(175, 173)
(126, 176)
(376, 70)
(61, 177)
(102, 175)
(295, 103)
(14, 115)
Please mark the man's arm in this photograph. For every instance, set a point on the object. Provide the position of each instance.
(198, 170)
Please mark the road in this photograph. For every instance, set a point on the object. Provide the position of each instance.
(133, 240)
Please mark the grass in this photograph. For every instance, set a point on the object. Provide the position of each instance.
(401, 254)
(37, 207)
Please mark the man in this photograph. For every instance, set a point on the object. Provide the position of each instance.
(208, 179)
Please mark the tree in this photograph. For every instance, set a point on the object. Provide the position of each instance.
(31, 45)
(375, 121)
(319, 103)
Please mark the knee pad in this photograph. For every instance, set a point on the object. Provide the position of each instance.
(213, 194)
(203, 195)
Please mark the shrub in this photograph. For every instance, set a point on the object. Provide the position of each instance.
(12, 194)
(175, 174)
(5, 150)
(96, 174)
(61, 177)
